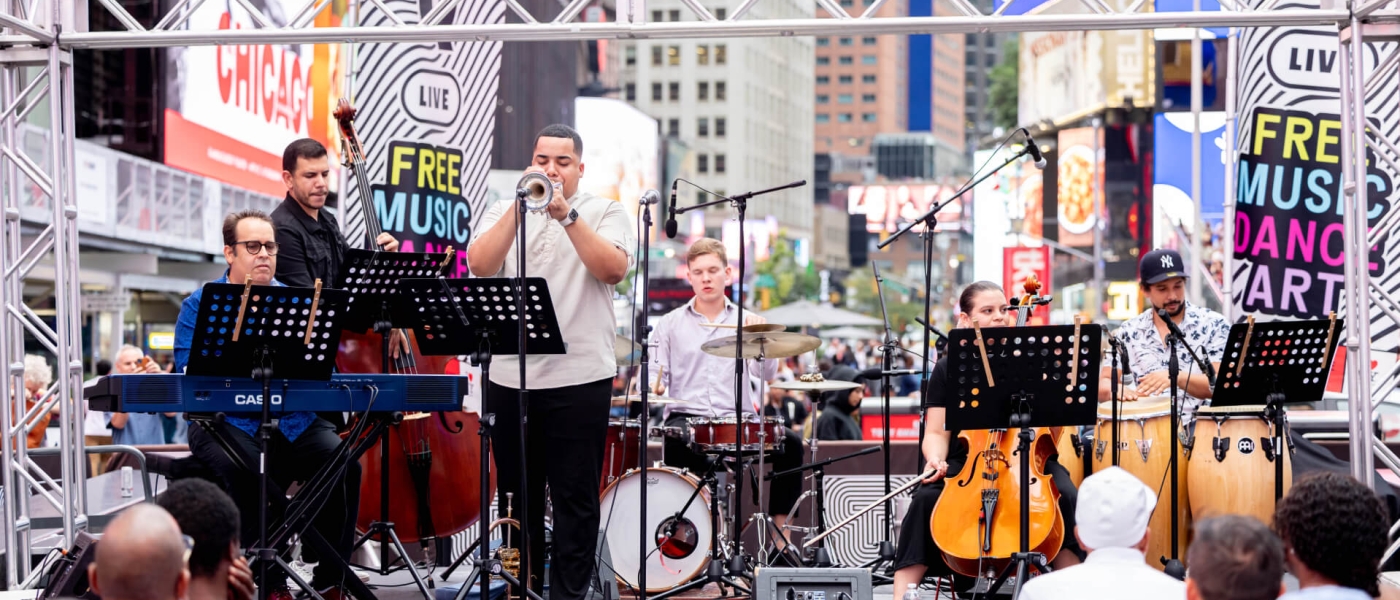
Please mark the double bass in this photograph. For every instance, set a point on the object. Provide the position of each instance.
(977, 521)
(433, 459)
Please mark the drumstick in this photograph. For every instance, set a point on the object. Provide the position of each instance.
(720, 325)
(847, 521)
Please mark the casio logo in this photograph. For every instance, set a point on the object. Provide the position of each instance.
(246, 399)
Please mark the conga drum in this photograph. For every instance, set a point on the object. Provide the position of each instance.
(1144, 427)
(1071, 454)
(1232, 466)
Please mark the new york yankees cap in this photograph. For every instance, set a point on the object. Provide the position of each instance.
(1160, 265)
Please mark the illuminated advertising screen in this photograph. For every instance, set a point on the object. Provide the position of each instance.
(621, 150)
(890, 207)
(230, 110)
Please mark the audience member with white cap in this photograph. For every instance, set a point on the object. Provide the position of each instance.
(1111, 525)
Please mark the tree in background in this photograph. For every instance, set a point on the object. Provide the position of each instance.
(780, 280)
(1005, 81)
(902, 302)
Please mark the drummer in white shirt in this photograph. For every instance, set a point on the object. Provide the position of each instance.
(704, 383)
(1111, 525)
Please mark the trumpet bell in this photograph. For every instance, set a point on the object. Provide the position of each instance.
(536, 191)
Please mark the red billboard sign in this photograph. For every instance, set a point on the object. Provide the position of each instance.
(1022, 262)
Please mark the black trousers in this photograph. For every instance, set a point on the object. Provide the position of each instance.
(782, 493)
(290, 461)
(567, 430)
(916, 545)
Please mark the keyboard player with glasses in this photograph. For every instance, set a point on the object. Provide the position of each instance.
(303, 441)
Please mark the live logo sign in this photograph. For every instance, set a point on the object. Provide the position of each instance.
(1022, 262)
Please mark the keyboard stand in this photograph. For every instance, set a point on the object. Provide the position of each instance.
(302, 508)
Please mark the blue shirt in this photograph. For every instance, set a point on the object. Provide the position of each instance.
(142, 429)
(291, 424)
(1326, 592)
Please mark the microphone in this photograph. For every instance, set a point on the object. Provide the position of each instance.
(1034, 149)
(650, 197)
(1206, 367)
(876, 372)
(671, 213)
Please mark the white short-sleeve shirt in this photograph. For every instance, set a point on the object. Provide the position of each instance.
(582, 302)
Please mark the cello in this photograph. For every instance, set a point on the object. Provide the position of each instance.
(432, 459)
(987, 495)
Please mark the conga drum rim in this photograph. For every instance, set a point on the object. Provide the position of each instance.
(1243, 410)
(1142, 408)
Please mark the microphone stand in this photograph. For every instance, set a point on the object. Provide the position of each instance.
(1173, 565)
(640, 334)
(737, 564)
(887, 349)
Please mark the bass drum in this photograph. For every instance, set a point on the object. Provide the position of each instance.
(684, 554)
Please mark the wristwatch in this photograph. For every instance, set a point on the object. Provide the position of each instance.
(570, 218)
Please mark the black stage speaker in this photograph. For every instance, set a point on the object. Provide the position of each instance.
(812, 584)
(68, 578)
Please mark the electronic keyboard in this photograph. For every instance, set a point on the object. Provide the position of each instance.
(161, 393)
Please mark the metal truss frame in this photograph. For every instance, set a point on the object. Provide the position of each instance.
(37, 34)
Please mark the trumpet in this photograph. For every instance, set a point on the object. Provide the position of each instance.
(535, 190)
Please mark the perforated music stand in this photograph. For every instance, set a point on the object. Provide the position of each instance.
(262, 331)
(1023, 377)
(274, 323)
(372, 278)
(1282, 361)
(451, 316)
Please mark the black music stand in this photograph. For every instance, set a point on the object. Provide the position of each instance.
(452, 314)
(1026, 377)
(372, 278)
(267, 331)
(1284, 361)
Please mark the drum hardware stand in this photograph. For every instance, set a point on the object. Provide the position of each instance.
(888, 347)
(740, 202)
(715, 570)
(818, 556)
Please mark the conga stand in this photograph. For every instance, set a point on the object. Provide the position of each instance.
(454, 313)
(1002, 390)
(1262, 359)
(251, 343)
(372, 277)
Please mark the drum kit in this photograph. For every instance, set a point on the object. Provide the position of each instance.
(690, 541)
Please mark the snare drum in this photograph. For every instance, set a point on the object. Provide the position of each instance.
(1234, 473)
(620, 450)
(686, 548)
(1143, 450)
(716, 435)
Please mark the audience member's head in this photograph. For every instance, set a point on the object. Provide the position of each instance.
(141, 556)
(1234, 557)
(1335, 532)
(206, 514)
(104, 367)
(1113, 510)
(38, 375)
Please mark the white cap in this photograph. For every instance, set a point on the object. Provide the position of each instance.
(1113, 509)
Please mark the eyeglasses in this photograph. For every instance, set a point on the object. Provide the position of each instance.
(255, 247)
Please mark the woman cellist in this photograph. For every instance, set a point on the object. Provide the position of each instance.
(916, 554)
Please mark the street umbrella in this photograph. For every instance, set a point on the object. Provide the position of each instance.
(850, 333)
(804, 313)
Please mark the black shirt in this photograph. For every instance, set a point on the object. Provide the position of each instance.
(937, 395)
(307, 249)
(835, 425)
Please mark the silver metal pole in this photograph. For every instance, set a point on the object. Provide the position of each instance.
(1231, 158)
(1100, 293)
(1198, 269)
(59, 205)
(11, 387)
(70, 302)
(1357, 268)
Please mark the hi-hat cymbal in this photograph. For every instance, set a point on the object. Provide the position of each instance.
(755, 328)
(777, 344)
(637, 399)
(627, 352)
(815, 386)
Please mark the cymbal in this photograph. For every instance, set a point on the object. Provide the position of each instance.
(637, 399)
(755, 328)
(815, 386)
(777, 344)
(627, 352)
